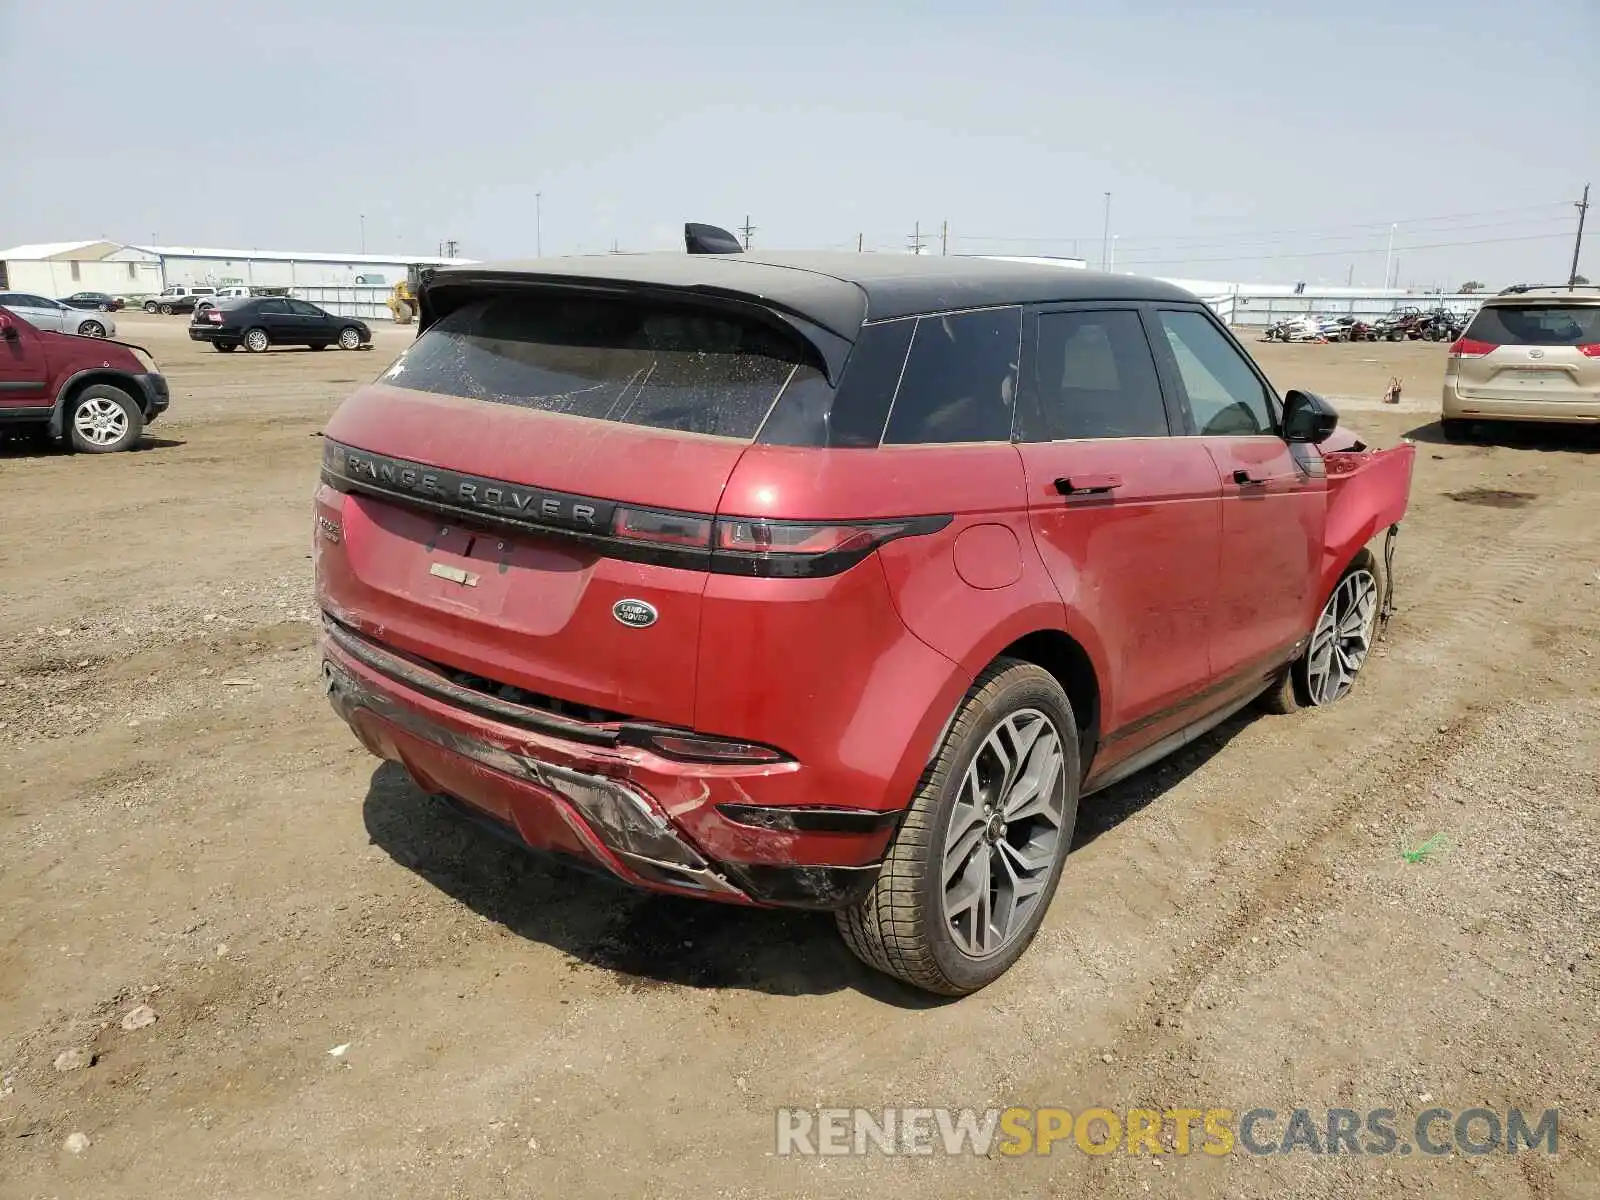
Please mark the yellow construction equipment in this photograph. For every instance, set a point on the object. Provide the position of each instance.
(402, 301)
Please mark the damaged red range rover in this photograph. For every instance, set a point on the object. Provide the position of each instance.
(831, 581)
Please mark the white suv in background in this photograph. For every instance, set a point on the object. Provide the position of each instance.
(179, 297)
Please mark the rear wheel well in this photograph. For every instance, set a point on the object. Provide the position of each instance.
(1069, 662)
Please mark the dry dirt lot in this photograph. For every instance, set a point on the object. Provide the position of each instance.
(184, 824)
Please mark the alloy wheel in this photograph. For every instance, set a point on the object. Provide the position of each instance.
(101, 422)
(255, 341)
(1004, 834)
(92, 329)
(1342, 638)
(349, 339)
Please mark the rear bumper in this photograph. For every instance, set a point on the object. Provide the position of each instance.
(1580, 406)
(651, 822)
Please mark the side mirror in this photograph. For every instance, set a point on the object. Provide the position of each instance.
(1307, 417)
(8, 328)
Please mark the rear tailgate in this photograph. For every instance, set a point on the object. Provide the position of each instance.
(1536, 352)
(477, 509)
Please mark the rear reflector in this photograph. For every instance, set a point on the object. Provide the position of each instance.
(1470, 348)
(712, 749)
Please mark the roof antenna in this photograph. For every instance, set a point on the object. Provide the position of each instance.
(709, 239)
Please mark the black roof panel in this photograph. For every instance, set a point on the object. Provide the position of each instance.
(838, 290)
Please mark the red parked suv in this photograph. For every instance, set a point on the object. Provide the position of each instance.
(97, 393)
(831, 581)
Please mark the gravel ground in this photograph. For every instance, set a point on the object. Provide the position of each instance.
(354, 995)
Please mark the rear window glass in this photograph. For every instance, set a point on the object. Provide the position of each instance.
(960, 379)
(1536, 325)
(660, 366)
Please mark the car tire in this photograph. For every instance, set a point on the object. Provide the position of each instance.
(906, 925)
(1346, 630)
(104, 419)
(92, 329)
(256, 341)
(349, 338)
(150, 306)
(105, 308)
(1455, 429)
(166, 310)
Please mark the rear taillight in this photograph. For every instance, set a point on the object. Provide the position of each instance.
(1590, 350)
(664, 529)
(213, 316)
(1471, 348)
(782, 537)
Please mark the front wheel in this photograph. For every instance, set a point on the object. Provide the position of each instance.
(349, 338)
(1341, 641)
(150, 306)
(256, 341)
(104, 419)
(92, 329)
(970, 874)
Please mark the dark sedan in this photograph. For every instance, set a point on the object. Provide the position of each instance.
(260, 322)
(97, 301)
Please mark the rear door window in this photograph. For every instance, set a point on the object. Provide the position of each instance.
(1226, 397)
(661, 366)
(1095, 377)
(960, 379)
(1536, 325)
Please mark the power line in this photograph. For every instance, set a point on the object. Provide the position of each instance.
(1313, 229)
(1533, 237)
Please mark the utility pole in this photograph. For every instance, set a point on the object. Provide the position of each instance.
(747, 229)
(860, 240)
(1388, 256)
(944, 238)
(363, 233)
(450, 245)
(1105, 238)
(538, 224)
(916, 238)
(1577, 243)
(1350, 276)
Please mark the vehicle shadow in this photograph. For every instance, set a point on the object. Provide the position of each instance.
(1104, 811)
(647, 940)
(28, 445)
(1515, 435)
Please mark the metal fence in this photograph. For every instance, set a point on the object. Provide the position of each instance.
(348, 300)
(1242, 308)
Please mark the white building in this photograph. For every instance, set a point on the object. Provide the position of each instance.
(285, 268)
(60, 268)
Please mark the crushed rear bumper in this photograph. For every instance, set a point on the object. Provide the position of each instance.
(593, 803)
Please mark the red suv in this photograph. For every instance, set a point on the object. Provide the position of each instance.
(831, 581)
(97, 393)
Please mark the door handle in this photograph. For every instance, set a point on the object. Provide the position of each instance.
(1088, 485)
(1244, 479)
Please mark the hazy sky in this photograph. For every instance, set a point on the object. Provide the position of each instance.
(1248, 141)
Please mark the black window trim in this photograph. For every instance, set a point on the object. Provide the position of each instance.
(1167, 364)
(1028, 392)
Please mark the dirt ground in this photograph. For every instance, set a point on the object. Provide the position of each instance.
(185, 824)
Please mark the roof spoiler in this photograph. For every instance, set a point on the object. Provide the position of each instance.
(709, 239)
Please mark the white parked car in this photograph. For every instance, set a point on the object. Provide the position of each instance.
(179, 298)
(221, 294)
(57, 317)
